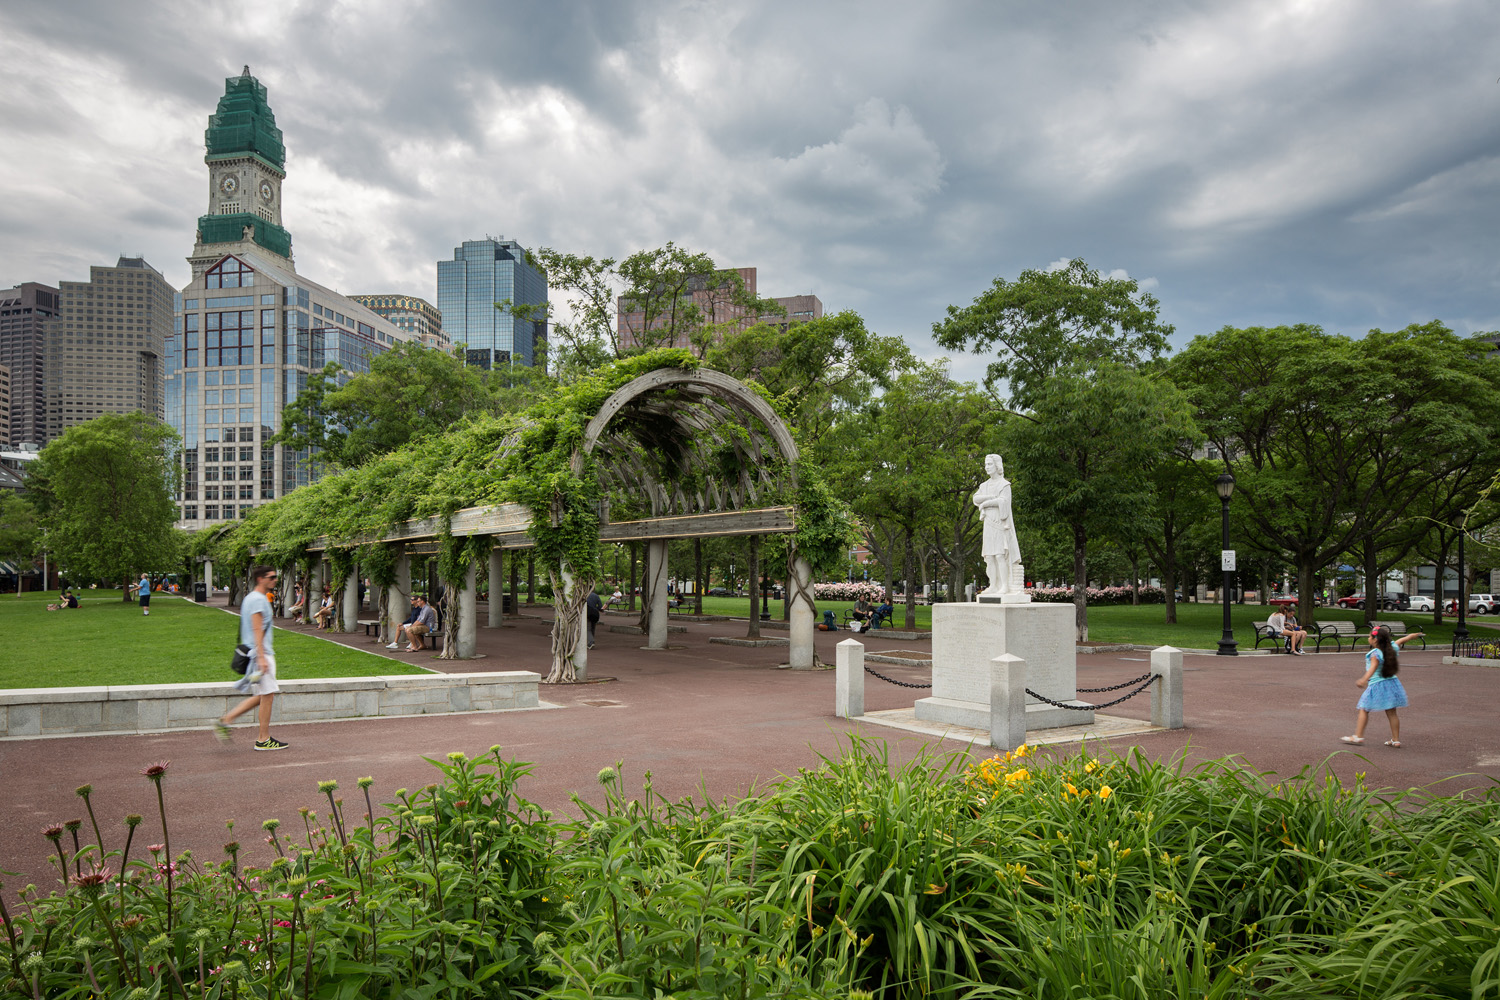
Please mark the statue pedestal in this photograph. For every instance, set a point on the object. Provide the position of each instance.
(966, 637)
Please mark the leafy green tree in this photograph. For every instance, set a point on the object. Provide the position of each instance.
(909, 462)
(410, 392)
(104, 495)
(1081, 455)
(19, 533)
(1184, 497)
(1049, 321)
(817, 369)
(1333, 441)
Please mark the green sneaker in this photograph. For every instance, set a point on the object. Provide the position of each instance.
(221, 731)
(271, 744)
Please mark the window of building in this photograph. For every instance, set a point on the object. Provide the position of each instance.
(229, 338)
(210, 416)
(190, 513)
(230, 272)
(211, 512)
(247, 472)
(247, 453)
(210, 493)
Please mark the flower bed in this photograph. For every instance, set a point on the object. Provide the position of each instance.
(1017, 876)
(1097, 595)
(851, 592)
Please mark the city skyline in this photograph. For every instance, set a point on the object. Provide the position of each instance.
(1250, 163)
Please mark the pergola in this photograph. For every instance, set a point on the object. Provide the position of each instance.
(701, 451)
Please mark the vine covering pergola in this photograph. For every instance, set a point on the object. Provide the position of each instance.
(649, 449)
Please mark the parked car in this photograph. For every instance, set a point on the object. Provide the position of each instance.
(719, 592)
(1387, 602)
(1418, 603)
(1479, 604)
(1285, 600)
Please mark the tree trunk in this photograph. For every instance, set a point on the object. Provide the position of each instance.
(754, 631)
(1437, 583)
(569, 595)
(1265, 582)
(911, 591)
(1135, 581)
(1169, 574)
(1081, 581)
(515, 598)
(697, 576)
(1305, 571)
(1371, 570)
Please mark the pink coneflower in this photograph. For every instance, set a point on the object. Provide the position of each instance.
(92, 884)
(156, 771)
(155, 849)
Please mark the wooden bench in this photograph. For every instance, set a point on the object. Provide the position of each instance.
(1398, 629)
(1338, 632)
(1264, 633)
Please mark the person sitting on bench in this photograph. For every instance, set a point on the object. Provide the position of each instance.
(325, 610)
(861, 610)
(411, 619)
(1294, 635)
(425, 624)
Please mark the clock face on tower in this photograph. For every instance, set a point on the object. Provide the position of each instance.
(229, 185)
(266, 192)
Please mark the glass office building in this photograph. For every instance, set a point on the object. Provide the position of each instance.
(476, 292)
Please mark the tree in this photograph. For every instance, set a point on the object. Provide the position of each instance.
(104, 495)
(1182, 499)
(1047, 321)
(410, 392)
(1334, 441)
(1082, 451)
(817, 369)
(909, 462)
(18, 533)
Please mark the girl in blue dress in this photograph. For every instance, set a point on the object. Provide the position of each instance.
(1383, 690)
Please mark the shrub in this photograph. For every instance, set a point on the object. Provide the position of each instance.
(1097, 595)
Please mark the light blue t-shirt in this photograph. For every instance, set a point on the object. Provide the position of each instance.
(1378, 658)
(144, 590)
(253, 602)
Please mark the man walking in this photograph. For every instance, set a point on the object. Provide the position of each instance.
(255, 632)
(595, 610)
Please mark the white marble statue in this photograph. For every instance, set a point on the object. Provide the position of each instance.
(1001, 550)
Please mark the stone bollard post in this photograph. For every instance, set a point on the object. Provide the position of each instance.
(1166, 694)
(1007, 702)
(849, 680)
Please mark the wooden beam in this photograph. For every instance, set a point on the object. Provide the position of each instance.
(509, 524)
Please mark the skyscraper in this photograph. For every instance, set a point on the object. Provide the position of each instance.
(105, 349)
(4, 407)
(479, 292)
(24, 313)
(249, 328)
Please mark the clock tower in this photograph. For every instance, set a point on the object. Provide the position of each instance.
(246, 165)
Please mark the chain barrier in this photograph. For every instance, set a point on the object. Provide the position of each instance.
(892, 680)
(1095, 708)
(1114, 687)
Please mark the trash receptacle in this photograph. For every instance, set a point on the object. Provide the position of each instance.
(200, 593)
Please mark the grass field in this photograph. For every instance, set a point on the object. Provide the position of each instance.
(106, 641)
(1198, 625)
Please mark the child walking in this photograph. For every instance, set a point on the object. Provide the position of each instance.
(1383, 690)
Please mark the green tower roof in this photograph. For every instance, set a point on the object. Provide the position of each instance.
(244, 123)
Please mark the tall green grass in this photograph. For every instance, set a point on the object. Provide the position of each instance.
(1057, 877)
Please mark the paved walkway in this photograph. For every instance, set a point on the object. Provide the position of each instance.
(714, 718)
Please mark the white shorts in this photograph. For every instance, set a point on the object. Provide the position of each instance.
(267, 683)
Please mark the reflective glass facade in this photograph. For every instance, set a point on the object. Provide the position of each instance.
(481, 274)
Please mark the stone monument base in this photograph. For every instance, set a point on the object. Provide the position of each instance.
(966, 637)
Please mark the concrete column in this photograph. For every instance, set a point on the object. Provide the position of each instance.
(1007, 702)
(849, 680)
(208, 577)
(657, 593)
(351, 600)
(288, 587)
(803, 624)
(398, 596)
(515, 588)
(468, 613)
(1166, 693)
(497, 588)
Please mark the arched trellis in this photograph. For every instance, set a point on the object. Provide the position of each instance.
(700, 452)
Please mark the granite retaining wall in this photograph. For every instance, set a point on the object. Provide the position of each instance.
(144, 708)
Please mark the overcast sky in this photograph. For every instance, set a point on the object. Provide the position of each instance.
(1252, 163)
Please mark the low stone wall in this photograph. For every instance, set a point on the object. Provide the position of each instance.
(144, 708)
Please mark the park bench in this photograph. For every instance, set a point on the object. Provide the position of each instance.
(1398, 629)
(873, 621)
(1338, 632)
(1264, 632)
(370, 624)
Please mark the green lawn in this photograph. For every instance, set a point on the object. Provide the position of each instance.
(107, 641)
(1198, 625)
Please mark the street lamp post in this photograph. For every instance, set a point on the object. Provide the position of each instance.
(1461, 632)
(1224, 485)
